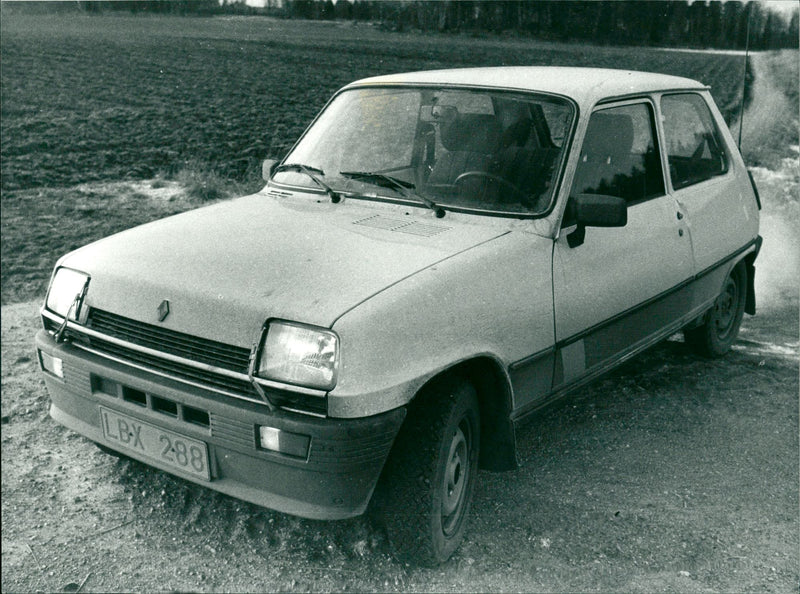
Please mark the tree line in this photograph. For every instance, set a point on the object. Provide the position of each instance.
(677, 23)
(673, 23)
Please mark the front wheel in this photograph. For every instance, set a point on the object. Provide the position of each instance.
(430, 476)
(720, 326)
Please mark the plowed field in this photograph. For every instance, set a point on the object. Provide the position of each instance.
(96, 98)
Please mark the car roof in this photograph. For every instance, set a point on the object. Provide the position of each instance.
(584, 85)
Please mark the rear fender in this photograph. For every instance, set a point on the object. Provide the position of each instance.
(750, 266)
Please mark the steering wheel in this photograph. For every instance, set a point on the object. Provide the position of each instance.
(490, 177)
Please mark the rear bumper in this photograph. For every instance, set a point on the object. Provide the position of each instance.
(335, 480)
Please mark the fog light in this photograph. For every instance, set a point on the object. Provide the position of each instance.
(291, 444)
(52, 364)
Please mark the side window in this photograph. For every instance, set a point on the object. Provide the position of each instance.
(694, 146)
(619, 155)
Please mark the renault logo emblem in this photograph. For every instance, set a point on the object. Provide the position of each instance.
(163, 310)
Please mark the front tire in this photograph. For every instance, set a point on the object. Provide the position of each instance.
(429, 479)
(720, 326)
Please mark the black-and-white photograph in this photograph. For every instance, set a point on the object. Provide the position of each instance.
(400, 295)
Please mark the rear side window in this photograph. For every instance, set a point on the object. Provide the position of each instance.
(619, 155)
(694, 148)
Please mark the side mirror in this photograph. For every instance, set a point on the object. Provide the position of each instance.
(267, 168)
(594, 210)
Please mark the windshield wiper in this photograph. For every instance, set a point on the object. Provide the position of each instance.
(402, 187)
(313, 173)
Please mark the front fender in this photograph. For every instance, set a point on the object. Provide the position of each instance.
(493, 300)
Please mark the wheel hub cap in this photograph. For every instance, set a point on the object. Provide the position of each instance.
(725, 308)
(455, 478)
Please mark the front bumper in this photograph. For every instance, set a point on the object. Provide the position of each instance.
(335, 480)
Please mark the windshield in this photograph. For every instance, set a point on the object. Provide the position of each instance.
(465, 149)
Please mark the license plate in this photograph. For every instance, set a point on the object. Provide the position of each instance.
(179, 452)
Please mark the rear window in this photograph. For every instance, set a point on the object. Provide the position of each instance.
(694, 147)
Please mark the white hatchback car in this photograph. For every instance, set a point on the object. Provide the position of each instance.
(440, 255)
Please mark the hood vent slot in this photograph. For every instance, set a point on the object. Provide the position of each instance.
(273, 193)
(401, 226)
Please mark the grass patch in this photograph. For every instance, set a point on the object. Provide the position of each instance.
(770, 127)
(202, 184)
(784, 67)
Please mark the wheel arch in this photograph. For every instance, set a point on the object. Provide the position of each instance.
(498, 448)
(750, 270)
(747, 262)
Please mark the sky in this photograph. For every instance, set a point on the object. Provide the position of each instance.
(785, 7)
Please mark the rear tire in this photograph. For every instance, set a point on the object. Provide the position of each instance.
(427, 487)
(720, 326)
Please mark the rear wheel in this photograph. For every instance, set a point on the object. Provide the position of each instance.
(429, 479)
(720, 326)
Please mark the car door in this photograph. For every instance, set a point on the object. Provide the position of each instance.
(621, 287)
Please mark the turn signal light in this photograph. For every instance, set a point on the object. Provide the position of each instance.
(283, 442)
(52, 364)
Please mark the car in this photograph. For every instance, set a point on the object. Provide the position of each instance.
(439, 256)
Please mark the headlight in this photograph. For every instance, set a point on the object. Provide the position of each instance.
(67, 286)
(301, 355)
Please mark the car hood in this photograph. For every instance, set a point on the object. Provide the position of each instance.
(227, 268)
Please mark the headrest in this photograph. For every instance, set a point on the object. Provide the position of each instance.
(517, 133)
(473, 133)
(608, 134)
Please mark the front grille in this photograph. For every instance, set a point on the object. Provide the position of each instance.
(182, 345)
(179, 370)
(176, 343)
